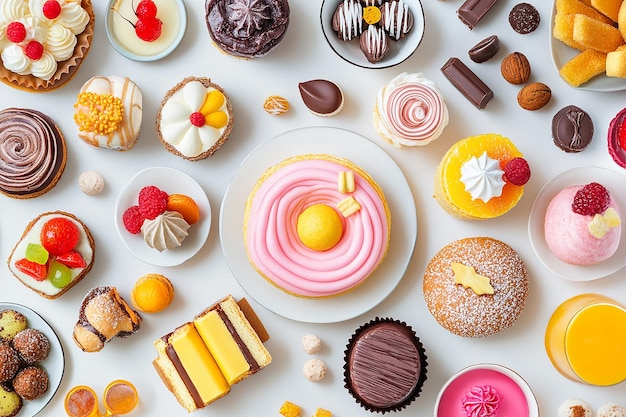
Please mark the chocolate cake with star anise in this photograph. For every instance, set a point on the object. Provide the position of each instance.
(247, 28)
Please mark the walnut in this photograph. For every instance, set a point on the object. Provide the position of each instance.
(534, 96)
(515, 68)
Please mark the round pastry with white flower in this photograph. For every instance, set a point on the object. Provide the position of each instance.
(42, 42)
(195, 118)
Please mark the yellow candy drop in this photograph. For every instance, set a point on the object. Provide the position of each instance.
(217, 119)
(213, 101)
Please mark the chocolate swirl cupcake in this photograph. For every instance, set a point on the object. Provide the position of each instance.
(32, 153)
(247, 28)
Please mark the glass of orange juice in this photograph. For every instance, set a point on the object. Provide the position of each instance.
(120, 397)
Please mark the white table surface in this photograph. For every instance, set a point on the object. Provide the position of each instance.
(304, 55)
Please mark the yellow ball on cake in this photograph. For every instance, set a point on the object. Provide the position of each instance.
(319, 227)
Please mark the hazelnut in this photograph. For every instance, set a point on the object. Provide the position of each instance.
(515, 68)
(534, 96)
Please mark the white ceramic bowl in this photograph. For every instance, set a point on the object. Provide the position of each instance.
(399, 51)
(173, 39)
(507, 383)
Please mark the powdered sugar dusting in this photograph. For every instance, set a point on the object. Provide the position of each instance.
(459, 309)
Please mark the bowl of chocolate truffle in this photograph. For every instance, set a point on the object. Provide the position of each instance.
(373, 33)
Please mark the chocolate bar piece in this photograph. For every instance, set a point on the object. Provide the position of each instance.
(471, 11)
(468, 83)
(485, 49)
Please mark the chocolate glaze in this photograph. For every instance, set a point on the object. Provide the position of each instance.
(572, 129)
(322, 97)
(485, 49)
(385, 365)
(32, 152)
(245, 35)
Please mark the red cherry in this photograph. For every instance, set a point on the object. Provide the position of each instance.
(34, 50)
(148, 30)
(59, 235)
(51, 9)
(197, 119)
(16, 32)
(146, 9)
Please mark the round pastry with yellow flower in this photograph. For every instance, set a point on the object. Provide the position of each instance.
(316, 225)
(481, 177)
(194, 119)
(108, 112)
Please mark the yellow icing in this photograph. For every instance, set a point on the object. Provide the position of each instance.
(467, 276)
(222, 346)
(371, 15)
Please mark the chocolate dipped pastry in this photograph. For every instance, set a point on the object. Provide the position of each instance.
(247, 28)
(572, 129)
(103, 315)
(396, 18)
(32, 153)
(348, 19)
(374, 44)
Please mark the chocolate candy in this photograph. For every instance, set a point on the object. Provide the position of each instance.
(468, 83)
(524, 18)
(471, 11)
(322, 97)
(572, 129)
(485, 49)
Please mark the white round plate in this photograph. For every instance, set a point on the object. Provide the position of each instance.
(172, 181)
(561, 53)
(386, 173)
(54, 364)
(399, 51)
(613, 182)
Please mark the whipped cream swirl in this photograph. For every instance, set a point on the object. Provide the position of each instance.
(410, 110)
(482, 177)
(31, 151)
(166, 231)
(481, 401)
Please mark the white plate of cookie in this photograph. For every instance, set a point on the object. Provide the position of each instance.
(561, 53)
(53, 364)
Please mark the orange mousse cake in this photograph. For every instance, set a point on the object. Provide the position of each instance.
(200, 360)
(481, 177)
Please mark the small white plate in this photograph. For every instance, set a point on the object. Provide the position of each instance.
(172, 181)
(386, 173)
(507, 383)
(54, 364)
(613, 182)
(173, 38)
(399, 51)
(562, 53)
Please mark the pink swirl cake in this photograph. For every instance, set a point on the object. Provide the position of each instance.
(282, 214)
(410, 111)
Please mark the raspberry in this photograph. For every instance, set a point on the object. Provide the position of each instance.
(197, 119)
(148, 29)
(51, 9)
(517, 171)
(16, 32)
(34, 50)
(152, 202)
(592, 199)
(132, 220)
(146, 9)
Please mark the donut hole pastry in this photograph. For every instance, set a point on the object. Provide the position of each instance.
(9, 362)
(45, 45)
(315, 370)
(108, 112)
(33, 153)
(328, 216)
(31, 383)
(311, 344)
(582, 225)
(384, 365)
(194, 119)
(32, 345)
(103, 315)
(247, 28)
(476, 287)
(410, 111)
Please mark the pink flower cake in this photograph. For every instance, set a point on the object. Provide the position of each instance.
(582, 224)
(316, 225)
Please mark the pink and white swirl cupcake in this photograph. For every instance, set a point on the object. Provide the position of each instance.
(316, 225)
(410, 111)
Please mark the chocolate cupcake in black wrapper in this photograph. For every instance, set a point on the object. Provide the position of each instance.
(385, 365)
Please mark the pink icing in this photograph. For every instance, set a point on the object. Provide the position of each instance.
(272, 240)
(481, 401)
(567, 233)
(513, 401)
(414, 111)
